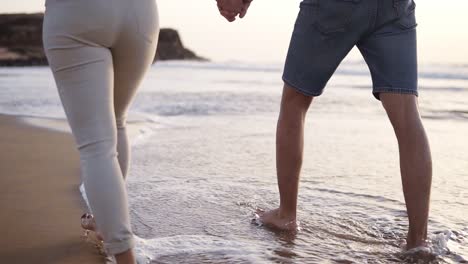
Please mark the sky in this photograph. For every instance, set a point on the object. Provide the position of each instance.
(263, 36)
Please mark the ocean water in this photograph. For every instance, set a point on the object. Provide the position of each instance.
(203, 161)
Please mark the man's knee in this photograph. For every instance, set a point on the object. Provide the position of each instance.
(402, 109)
(294, 99)
(399, 103)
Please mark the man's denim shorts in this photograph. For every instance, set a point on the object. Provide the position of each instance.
(327, 30)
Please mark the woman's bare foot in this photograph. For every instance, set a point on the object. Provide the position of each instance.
(126, 257)
(274, 220)
(89, 224)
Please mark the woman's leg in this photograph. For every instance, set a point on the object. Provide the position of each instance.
(85, 78)
(133, 54)
(84, 73)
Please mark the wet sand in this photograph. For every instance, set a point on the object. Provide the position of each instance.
(39, 197)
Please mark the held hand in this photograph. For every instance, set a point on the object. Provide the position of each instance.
(231, 8)
(245, 7)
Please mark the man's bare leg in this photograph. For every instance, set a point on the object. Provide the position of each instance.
(415, 162)
(289, 152)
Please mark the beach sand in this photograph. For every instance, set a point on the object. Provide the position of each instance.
(40, 201)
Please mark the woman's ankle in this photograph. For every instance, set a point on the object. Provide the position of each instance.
(127, 257)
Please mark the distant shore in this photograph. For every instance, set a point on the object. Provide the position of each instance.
(21, 42)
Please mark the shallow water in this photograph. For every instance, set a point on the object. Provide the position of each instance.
(204, 161)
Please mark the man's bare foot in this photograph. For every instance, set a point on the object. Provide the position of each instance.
(274, 220)
(421, 254)
(89, 224)
(415, 244)
(414, 240)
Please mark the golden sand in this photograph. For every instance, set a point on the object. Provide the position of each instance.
(39, 197)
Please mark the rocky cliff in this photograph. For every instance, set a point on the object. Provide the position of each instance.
(21, 42)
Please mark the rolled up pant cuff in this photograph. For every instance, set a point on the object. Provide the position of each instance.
(115, 248)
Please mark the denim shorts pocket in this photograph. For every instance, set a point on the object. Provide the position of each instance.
(334, 16)
(146, 17)
(405, 10)
(306, 16)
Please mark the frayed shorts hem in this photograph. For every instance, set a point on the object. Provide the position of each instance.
(377, 91)
(301, 90)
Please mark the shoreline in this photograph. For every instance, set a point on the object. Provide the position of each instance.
(41, 205)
